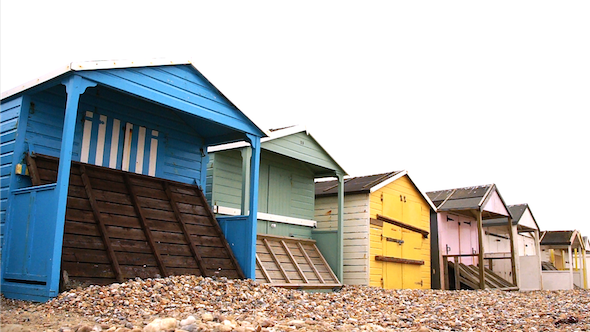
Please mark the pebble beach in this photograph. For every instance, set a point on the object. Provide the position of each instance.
(190, 303)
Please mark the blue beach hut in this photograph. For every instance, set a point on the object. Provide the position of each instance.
(102, 166)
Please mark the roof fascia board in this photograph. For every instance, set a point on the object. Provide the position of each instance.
(114, 64)
(169, 100)
(387, 181)
(422, 193)
(37, 81)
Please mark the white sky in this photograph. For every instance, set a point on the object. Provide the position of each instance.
(459, 93)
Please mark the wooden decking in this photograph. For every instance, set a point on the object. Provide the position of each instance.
(467, 277)
(122, 225)
(292, 263)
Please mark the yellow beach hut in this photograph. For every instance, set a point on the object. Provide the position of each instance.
(386, 241)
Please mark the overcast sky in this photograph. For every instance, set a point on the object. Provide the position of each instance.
(459, 93)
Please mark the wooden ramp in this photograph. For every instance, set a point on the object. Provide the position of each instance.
(122, 225)
(469, 278)
(292, 263)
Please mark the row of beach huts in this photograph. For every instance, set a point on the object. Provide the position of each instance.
(115, 170)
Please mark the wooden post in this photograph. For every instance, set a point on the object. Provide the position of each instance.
(75, 87)
(457, 273)
(482, 276)
(584, 269)
(446, 283)
(538, 253)
(340, 243)
(246, 157)
(569, 255)
(512, 252)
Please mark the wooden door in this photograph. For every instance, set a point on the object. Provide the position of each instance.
(411, 249)
(392, 247)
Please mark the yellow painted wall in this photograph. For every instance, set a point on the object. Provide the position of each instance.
(411, 209)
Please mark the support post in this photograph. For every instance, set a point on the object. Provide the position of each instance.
(75, 87)
(250, 270)
(570, 258)
(538, 253)
(513, 253)
(584, 269)
(340, 267)
(482, 277)
(246, 160)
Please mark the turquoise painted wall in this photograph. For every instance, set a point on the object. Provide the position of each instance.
(286, 188)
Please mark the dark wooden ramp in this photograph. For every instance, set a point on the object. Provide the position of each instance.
(122, 225)
(292, 263)
(469, 278)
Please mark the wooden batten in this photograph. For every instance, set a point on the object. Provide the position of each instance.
(402, 225)
(292, 263)
(121, 225)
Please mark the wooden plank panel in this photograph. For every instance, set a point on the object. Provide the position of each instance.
(101, 227)
(124, 227)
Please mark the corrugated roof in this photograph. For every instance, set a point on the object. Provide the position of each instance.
(359, 184)
(467, 198)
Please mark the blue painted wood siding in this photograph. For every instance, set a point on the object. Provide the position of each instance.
(180, 87)
(169, 148)
(9, 115)
(286, 186)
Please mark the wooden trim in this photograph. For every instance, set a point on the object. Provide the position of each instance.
(32, 167)
(284, 238)
(310, 262)
(391, 259)
(403, 225)
(187, 236)
(144, 226)
(292, 258)
(276, 260)
(100, 225)
(263, 270)
(376, 222)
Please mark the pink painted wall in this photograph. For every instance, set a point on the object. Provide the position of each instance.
(495, 205)
(457, 236)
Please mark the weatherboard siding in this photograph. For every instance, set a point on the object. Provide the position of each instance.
(355, 233)
(301, 147)
(176, 146)
(286, 188)
(10, 112)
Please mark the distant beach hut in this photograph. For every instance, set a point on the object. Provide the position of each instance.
(563, 265)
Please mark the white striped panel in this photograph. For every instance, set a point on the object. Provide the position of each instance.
(140, 150)
(127, 146)
(153, 153)
(86, 137)
(115, 143)
(102, 129)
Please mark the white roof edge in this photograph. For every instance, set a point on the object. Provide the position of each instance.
(92, 65)
(36, 81)
(399, 175)
(388, 181)
(112, 64)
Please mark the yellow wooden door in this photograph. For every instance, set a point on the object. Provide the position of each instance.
(392, 272)
(412, 249)
(393, 206)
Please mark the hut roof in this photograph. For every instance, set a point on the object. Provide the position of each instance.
(364, 184)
